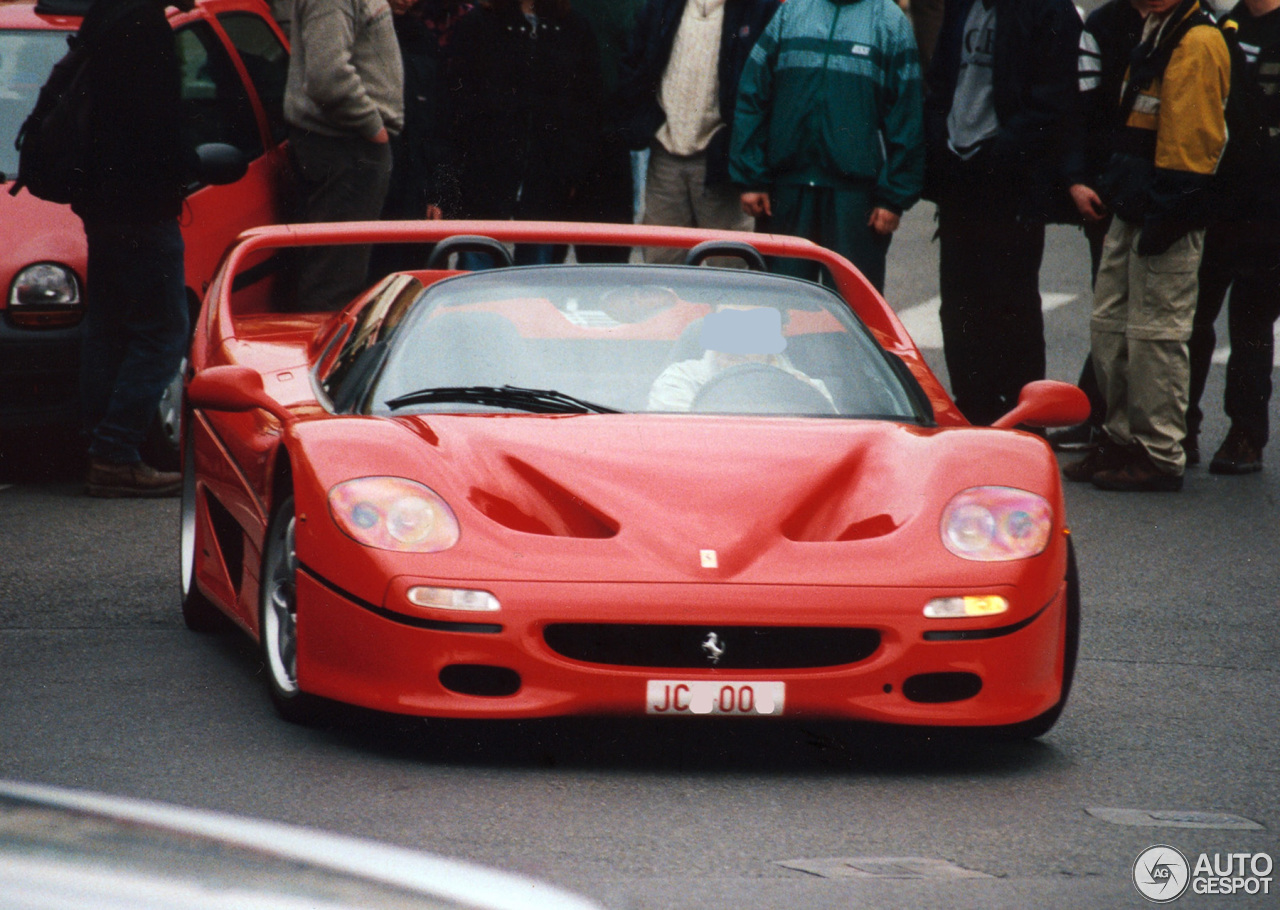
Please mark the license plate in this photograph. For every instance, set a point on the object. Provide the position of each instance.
(703, 696)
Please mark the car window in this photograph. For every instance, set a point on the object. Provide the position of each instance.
(266, 60)
(216, 102)
(26, 58)
(655, 339)
(363, 348)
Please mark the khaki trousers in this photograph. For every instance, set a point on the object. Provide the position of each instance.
(1143, 309)
(676, 194)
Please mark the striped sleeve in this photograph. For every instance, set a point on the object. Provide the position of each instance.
(1089, 63)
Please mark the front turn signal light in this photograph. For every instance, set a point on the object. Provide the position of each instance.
(969, 605)
(454, 599)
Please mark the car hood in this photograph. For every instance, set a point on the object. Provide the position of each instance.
(682, 497)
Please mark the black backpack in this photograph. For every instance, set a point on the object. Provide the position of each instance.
(55, 139)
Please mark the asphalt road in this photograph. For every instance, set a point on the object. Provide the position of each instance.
(1174, 714)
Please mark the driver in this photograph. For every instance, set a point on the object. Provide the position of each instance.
(733, 334)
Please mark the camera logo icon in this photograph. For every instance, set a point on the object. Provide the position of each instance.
(1161, 874)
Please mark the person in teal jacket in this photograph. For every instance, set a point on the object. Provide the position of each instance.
(828, 137)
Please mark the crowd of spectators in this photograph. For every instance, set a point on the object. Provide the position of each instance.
(1154, 126)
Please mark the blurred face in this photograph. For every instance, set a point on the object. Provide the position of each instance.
(1155, 7)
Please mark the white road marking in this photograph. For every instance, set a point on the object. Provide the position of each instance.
(1174, 818)
(922, 323)
(900, 868)
(923, 326)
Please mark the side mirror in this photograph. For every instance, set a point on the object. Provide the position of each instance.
(233, 388)
(221, 163)
(1047, 403)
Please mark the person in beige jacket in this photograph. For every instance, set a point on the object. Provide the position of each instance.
(344, 100)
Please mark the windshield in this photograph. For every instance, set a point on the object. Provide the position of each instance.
(26, 58)
(595, 339)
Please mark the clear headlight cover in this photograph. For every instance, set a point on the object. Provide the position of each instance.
(995, 524)
(393, 513)
(46, 285)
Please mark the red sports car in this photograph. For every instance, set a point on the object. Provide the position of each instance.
(630, 489)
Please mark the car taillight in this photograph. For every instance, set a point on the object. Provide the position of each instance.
(45, 295)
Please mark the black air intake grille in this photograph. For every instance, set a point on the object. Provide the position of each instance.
(742, 647)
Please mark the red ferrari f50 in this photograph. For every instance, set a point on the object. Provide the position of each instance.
(629, 489)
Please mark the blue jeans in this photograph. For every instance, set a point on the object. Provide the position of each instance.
(525, 254)
(135, 332)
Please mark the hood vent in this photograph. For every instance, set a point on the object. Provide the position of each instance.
(539, 505)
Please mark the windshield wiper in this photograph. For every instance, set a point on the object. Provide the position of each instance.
(537, 401)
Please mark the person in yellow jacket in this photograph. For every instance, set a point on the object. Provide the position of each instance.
(1173, 103)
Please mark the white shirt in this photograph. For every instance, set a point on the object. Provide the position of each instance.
(690, 90)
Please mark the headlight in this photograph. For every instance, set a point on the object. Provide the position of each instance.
(993, 524)
(45, 294)
(392, 513)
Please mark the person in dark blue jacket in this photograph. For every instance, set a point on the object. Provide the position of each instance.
(677, 89)
(1001, 88)
(524, 96)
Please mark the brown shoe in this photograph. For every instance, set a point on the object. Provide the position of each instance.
(115, 481)
(1237, 455)
(1105, 456)
(1138, 475)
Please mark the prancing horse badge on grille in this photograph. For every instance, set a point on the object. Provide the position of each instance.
(713, 647)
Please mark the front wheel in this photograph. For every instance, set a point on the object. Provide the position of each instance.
(278, 620)
(198, 612)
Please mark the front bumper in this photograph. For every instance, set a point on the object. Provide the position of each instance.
(363, 654)
(39, 376)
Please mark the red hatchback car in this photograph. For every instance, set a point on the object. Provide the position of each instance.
(234, 61)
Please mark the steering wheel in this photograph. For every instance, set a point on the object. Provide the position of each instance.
(759, 388)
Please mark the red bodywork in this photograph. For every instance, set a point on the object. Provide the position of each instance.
(600, 519)
(39, 354)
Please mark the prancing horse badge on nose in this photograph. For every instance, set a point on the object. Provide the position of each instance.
(713, 647)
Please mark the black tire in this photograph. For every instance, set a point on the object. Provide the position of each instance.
(278, 621)
(198, 612)
(1043, 723)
